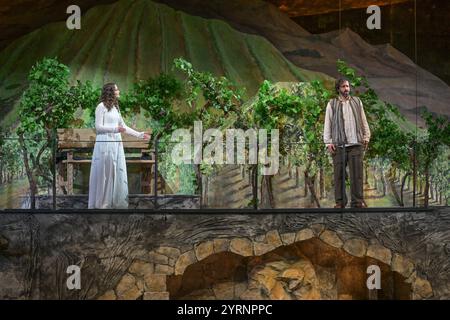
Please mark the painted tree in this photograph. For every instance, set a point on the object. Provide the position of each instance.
(215, 101)
(298, 115)
(171, 104)
(48, 103)
(440, 173)
(314, 96)
(160, 98)
(277, 109)
(11, 164)
(429, 147)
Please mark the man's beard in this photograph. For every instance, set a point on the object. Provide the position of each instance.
(345, 94)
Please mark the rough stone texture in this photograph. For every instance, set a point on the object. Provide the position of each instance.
(241, 246)
(140, 283)
(273, 238)
(127, 288)
(288, 238)
(204, 249)
(159, 258)
(170, 252)
(156, 296)
(318, 228)
(402, 265)
(327, 282)
(224, 290)
(331, 238)
(203, 294)
(278, 293)
(239, 289)
(356, 247)
(172, 262)
(221, 245)
(107, 245)
(304, 234)
(164, 269)
(185, 260)
(108, 295)
(252, 294)
(141, 268)
(422, 288)
(262, 248)
(260, 238)
(379, 252)
(412, 277)
(155, 283)
(281, 280)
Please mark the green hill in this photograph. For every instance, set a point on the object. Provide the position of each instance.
(131, 40)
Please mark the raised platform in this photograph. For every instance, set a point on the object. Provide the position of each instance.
(136, 202)
(225, 254)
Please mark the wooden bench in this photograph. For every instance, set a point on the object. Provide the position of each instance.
(72, 142)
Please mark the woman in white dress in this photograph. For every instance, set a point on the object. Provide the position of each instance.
(108, 184)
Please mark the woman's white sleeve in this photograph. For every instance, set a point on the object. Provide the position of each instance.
(130, 131)
(99, 115)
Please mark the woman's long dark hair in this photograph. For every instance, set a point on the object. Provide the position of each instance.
(108, 97)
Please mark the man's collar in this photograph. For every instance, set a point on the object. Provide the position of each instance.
(341, 98)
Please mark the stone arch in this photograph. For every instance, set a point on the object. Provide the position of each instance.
(148, 278)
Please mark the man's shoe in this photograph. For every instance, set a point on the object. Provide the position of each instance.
(339, 206)
(360, 205)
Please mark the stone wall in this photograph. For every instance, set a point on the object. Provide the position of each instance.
(234, 256)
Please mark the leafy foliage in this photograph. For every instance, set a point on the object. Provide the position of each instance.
(159, 98)
(48, 103)
(392, 143)
(168, 103)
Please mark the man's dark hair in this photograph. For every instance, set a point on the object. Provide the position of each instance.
(339, 82)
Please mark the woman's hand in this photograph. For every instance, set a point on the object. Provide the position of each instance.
(121, 129)
(146, 136)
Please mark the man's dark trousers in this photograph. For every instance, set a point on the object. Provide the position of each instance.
(354, 158)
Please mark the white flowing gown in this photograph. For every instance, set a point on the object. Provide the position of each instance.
(108, 183)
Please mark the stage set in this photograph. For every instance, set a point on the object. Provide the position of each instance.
(227, 150)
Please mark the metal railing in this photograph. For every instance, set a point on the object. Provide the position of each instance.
(253, 174)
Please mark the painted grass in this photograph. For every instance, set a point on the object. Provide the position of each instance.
(273, 65)
(123, 45)
(199, 45)
(149, 49)
(235, 56)
(80, 49)
(89, 61)
(10, 193)
(172, 37)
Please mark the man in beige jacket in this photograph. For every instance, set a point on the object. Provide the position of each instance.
(346, 135)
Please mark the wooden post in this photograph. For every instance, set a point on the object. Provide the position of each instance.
(155, 177)
(69, 173)
(54, 143)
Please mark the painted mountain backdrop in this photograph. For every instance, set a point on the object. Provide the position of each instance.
(131, 40)
(391, 73)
